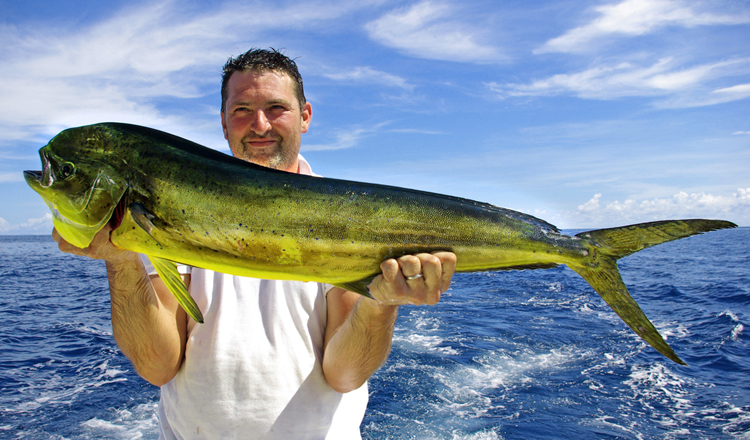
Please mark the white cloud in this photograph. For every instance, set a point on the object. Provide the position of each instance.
(53, 77)
(431, 30)
(681, 205)
(735, 92)
(343, 139)
(592, 205)
(11, 177)
(350, 137)
(635, 17)
(718, 96)
(685, 86)
(370, 75)
(31, 225)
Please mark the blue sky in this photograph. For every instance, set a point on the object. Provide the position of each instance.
(583, 113)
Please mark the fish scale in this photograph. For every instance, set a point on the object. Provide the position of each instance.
(179, 202)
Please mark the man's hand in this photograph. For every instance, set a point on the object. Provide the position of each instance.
(99, 249)
(148, 324)
(359, 330)
(414, 279)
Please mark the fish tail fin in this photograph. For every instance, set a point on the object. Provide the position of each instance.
(609, 245)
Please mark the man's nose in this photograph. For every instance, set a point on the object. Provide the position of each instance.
(260, 124)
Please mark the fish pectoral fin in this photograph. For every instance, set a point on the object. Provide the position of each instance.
(167, 271)
(359, 286)
(142, 218)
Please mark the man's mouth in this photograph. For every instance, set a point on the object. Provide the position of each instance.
(259, 143)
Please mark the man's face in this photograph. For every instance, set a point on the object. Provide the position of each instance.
(262, 120)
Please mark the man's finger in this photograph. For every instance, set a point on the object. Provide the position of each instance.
(432, 272)
(389, 268)
(448, 264)
(410, 265)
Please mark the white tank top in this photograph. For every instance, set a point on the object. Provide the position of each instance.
(253, 369)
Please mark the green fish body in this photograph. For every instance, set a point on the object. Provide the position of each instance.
(179, 202)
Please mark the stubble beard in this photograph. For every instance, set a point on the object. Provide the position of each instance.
(280, 157)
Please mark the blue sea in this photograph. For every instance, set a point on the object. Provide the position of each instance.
(505, 355)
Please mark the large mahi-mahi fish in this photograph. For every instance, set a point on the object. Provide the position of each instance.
(177, 201)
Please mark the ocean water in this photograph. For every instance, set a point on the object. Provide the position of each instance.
(505, 355)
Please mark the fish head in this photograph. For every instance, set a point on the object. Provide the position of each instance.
(79, 181)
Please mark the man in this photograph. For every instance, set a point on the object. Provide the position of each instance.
(274, 359)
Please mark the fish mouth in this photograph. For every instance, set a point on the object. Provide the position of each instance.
(33, 176)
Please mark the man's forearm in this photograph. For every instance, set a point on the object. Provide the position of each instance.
(145, 330)
(360, 346)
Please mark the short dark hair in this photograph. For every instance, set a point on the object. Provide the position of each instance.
(262, 60)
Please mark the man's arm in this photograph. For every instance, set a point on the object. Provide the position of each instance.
(359, 330)
(148, 324)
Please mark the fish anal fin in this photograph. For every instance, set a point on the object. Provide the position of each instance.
(359, 286)
(168, 273)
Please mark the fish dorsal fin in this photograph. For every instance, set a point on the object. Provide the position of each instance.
(167, 271)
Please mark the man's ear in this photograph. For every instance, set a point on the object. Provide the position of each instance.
(306, 115)
(224, 126)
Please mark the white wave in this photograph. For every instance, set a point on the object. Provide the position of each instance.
(429, 343)
(484, 435)
(424, 323)
(608, 423)
(422, 334)
(733, 420)
(139, 422)
(657, 382)
(736, 331)
(56, 390)
(465, 388)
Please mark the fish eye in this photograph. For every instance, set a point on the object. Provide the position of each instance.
(67, 169)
